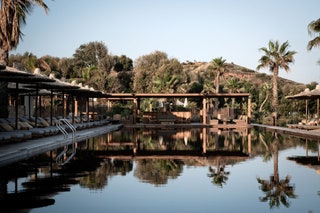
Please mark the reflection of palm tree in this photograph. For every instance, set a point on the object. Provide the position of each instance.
(219, 176)
(276, 191)
(268, 152)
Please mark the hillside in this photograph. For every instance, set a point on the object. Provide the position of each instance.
(236, 71)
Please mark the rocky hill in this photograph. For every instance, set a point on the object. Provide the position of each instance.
(242, 73)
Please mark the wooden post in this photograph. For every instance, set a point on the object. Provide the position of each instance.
(249, 110)
(76, 107)
(17, 105)
(204, 110)
(51, 106)
(87, 108)
(64, 105)
(204, 140)
(307, 111)
(134, 110)
(249, 141)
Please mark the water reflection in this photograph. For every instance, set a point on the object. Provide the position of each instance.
(155, 157)
(158, 171)
(276, 191)
(219, 176)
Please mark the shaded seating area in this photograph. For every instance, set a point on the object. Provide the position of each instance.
(172, 116)
(311, 121)
(28, 119)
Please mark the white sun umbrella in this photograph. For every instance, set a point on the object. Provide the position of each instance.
(185, 104)
(179, 103)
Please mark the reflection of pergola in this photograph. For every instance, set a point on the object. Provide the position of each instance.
(136, 97)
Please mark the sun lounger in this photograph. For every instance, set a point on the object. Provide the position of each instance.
(6, 131)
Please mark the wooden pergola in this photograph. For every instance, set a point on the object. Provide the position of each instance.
(136, 97)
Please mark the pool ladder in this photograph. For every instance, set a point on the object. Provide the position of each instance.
(60, 158)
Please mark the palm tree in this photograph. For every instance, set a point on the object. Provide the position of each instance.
(12, 15)
(234, 85)
(314, 28)
(276, 56)
(219, 66)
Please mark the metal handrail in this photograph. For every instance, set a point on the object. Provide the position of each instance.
(64, 132)
(66, 135)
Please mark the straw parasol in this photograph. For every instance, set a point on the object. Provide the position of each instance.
(307, 94)
(13, 75)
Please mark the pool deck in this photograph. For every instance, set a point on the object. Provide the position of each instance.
(13, 152)
(302, 132)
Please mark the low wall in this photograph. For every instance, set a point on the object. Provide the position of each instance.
(178, 117)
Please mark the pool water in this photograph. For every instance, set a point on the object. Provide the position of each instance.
(186, 170)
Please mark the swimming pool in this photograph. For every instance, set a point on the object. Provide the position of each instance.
(170, 170)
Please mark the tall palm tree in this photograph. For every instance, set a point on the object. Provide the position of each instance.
(314, 29)
(275, 57)
(12, 16)
(219, 66)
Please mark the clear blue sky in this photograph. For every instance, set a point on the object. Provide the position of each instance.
(189, 30)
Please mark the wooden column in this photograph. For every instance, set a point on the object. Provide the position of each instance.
(204, 140)
(249, 141)
(64, 100)
(135, 103)
(17, 105)
(51, 106)
(76, 112)
(249, 110)
(138, 110)
(87, 108)
(204, 110)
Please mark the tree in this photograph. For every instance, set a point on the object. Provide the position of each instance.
(65, 65)
(122, 63)
(153, 70)
(12, 16)
(88, 55)
(314, 29)
(234, 85)
(93, 59)
(219, 66)
(265, 89)
(275, 57)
